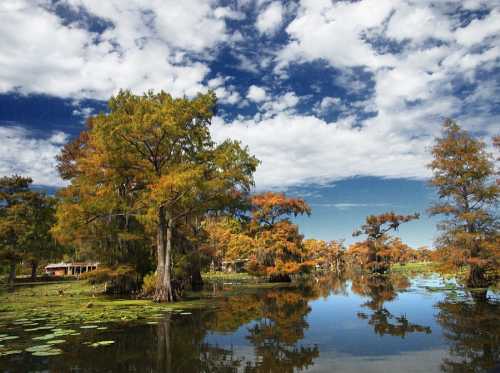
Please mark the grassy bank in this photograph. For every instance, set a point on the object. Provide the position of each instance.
(414, 268)
(230, 276)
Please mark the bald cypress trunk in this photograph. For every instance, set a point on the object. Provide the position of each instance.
(34, 266)
(477, 277)
(163, 292)
(12, 272)
(196, 279)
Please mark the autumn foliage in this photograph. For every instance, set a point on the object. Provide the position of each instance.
(144, 175)
(379, 250)
(463, 177)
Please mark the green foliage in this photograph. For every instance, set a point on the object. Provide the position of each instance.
(119, 280)
(144, 170)
(149, 284)
(26, 218)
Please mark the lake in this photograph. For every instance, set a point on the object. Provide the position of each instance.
(322, 324)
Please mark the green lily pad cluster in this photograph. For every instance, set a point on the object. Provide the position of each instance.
(57, 332)
(44, 350)
(102, 343)
(6, 337)
(39, 319)
(9, 352)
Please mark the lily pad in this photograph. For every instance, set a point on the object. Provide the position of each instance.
(38, 348)
(38, 328)
(102, 343)
(10, 352)
(45, 337)
(50, 352)
(56, 341)
(88, 326)
(9, 337)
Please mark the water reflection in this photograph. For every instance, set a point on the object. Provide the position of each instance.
(473, 330)
(269, 330)
(381, 289)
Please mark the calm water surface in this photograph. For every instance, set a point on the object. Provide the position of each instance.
(324, 325)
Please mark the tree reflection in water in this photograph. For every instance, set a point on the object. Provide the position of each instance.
(276, 319)
(277, 334)
(473, 332)
(381, 289)
(264, 330)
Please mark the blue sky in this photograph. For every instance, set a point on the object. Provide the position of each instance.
(340, 100)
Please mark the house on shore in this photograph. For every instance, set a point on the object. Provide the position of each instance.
(237, 265)
(70, 269)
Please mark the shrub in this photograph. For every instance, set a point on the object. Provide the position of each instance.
(149, 284)
(119, 280)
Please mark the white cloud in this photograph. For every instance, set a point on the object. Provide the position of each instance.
(270, 19)
(413, 88)
(333, 31)
(478, 30)
(349, 205)
(226, 12)
(21, 153)
(417, 24)
(148, 46)
(298, 149)
(400, 58)
(256, 94)
(327, 103)
(281, 104)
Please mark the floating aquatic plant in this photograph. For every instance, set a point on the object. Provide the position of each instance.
(56, 341)
(102, 343)
(8, 337)
(50, 352)
(10, 352)
(38, 348)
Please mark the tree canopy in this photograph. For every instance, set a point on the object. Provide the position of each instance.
(463, 177)
(151, 158)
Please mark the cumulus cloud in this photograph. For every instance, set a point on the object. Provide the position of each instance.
(399, 67)
(256, 93)
(327, 103)
(281, 104)
(296, 149)
(226, 93)
(270, 19)
(333, 31)
(147, 45)
(24, 154)
(415, 53)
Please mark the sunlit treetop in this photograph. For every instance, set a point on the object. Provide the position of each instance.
(376, 226)
(268, 208)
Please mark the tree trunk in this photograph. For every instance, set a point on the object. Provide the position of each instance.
(12, 272)
(163, 292)
(196, 279)
(477, 278)
(167, 277)
(34, 266)
(282, 277)
(479, 295)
